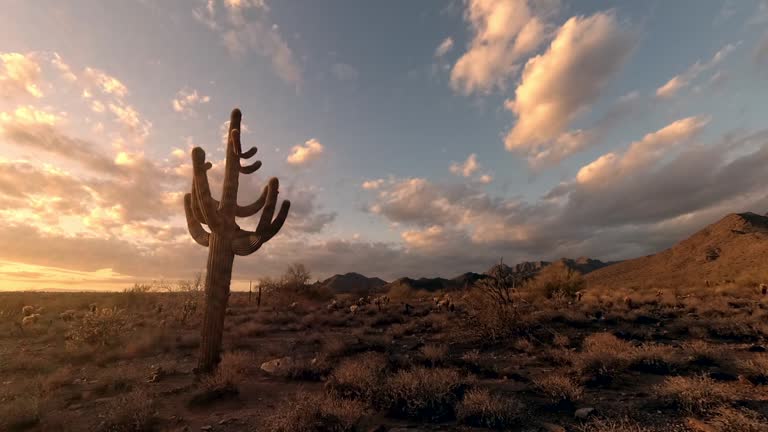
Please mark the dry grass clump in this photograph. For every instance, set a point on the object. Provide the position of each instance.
(655, 358)
(559, 389)
(358, 377)
(607, 425)
(133, 412)
(434, 353)
(756, 369)
(312, 412)
(423, 393)
(481, 408)
(19, 413)
(742, 420)
(603, 356)
(103, 327)
(702, 353)
(234, 366)
(697, 395)
(556, 282)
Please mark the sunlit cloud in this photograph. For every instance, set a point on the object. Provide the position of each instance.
(19, 75)
(679, 82)
(303, 154)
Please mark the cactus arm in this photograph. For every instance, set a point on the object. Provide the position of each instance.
(253, 208)
(248, 242)
(199, 234)
(250, 153)
(250, 169)
(202, 190)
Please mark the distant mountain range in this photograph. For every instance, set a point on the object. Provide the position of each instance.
(360, 284)
(725, 250)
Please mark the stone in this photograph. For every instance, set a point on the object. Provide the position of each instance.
(583, 413)
(206, 428)
(551, 427)
(276, 366)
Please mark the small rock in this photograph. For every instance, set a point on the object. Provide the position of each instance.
(699, 426)
(277, 365)
(756, 348)
(206, 428)
(583, 413)
(551, 427)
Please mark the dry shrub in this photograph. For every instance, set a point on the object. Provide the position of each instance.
(703, 353)
(698, 395)
(481, 408)
(133, 412)
(655, 358)
(434, 353)
(756, 369)
(561, 341)
(559, 389)
(100, 328)
(358, 377)
(742, 420)
(603, 356)
(472, 356)
(232, 369)
(423, 393)
(145, 345)
(608, 425)
(19, 413)
(311, 412)
(556, 282)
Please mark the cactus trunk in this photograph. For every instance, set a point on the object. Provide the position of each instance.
(217, 281)
(226, 239)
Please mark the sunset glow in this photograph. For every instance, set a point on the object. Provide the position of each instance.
(422, 138)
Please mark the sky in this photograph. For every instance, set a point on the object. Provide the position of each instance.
(416, 139)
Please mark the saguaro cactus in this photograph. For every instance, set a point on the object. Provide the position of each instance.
(226, 239)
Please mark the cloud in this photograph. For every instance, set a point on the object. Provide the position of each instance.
(503, 32)
(445, 46)
(641, 153)
(186, 100)
(245, 27)
(563, 83)
(679, 82)
(621, 205)
(344, 72)
(106, 83)
(470, 167)
(19, 75)
(466, 169)
(63, 68)
(373, 184)
(301, 155)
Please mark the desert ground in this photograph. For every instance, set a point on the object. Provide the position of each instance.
(559, 351)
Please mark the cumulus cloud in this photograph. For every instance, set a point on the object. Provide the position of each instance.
(679, 82)
(564, 82)
(503, 32)
(470, 167)
(445, 46)
(466, 169)
(245, 27)
(186, 100)
(303, 154)
(19, 75)
(373, 184)
(641, 153)
(620, 205)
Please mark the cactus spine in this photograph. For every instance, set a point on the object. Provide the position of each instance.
(226, 239)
